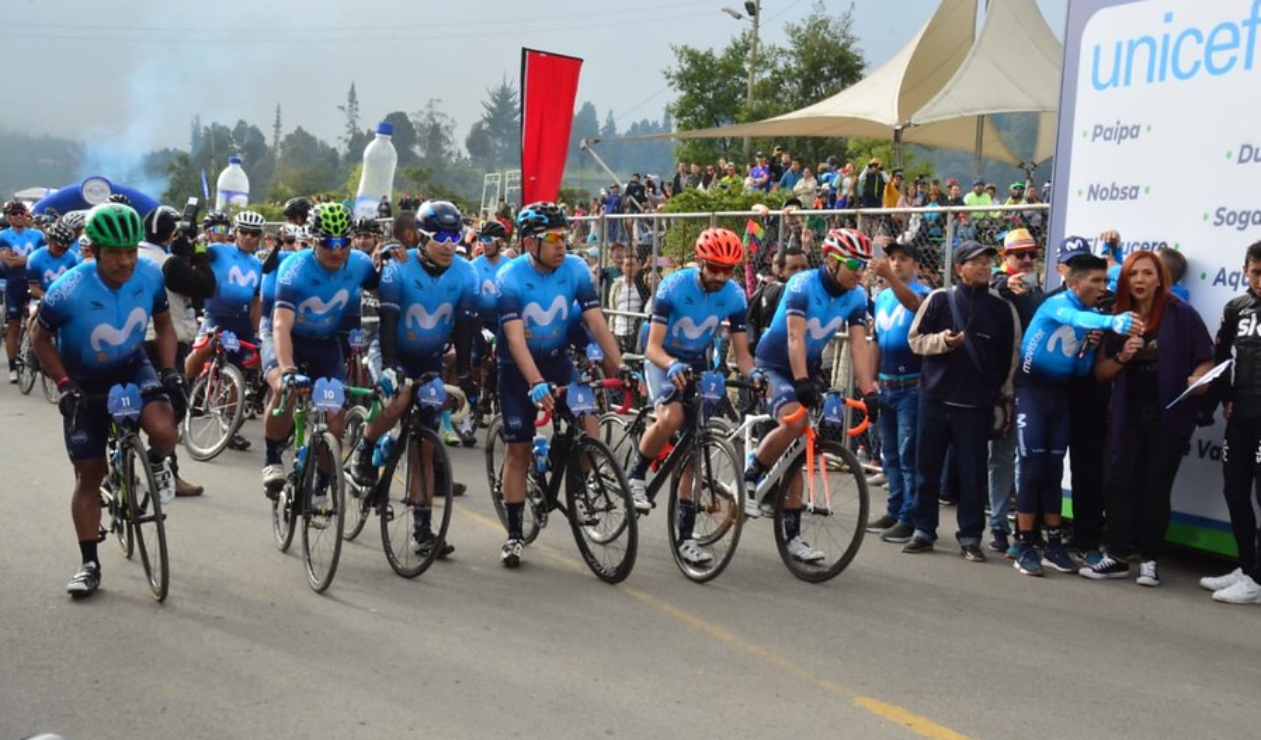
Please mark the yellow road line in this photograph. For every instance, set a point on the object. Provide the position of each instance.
(917, 724)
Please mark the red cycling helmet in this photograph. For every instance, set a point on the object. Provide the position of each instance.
(847, 244)
(719, 246)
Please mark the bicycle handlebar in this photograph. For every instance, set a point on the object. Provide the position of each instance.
(558, 390)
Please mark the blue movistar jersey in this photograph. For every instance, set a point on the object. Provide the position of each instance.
(319, 297)
(692, 315)
(486, 274)
(42, 267)
(893, 326)
(428, 306)
(100, 329)
(543, 302)
(237, 279)
(826, 307)
(267, 289)
(1051, 350)
(1114, 274)
(22, 243)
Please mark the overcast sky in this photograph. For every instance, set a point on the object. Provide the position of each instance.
(134, 72)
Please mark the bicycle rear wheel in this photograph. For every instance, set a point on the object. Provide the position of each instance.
(496, 451)
(216, 410)
(323, 511)
(615, 434)
(359, 502)
(600, 510)
(404, 515)
(833, 520)
(28, 366)
(718, 494)
(284, 521)
(148, 524)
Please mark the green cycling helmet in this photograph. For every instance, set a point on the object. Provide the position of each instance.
(330, 220)
(114, 226)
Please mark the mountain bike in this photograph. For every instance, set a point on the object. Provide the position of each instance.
(129, 492)
(701, 468)
(426, 490)
(217, 401)
(825, 474)
(597, 498)
(313, 492)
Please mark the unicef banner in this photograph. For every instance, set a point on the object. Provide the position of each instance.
(1158, 139)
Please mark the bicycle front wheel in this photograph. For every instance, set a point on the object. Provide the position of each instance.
(216, 410)
(496, 452)
(416, 511)
(706, 491)
(829, 522)
(148, 523)
(28, 366)
(359, 502)
(323, 511)
(600, 510)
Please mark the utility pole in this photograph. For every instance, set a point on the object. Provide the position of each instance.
(754, 10)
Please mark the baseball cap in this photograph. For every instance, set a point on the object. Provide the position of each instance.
(970, 249)
(760, 155)
(1018, 240)
(978, 181)
(1017, 186)
(909, 249)
(897, 172)
(1071, 248)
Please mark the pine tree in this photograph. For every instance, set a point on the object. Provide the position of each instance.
(275, 132)
(351, 110)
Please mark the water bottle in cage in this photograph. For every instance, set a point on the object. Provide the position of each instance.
(540, 453)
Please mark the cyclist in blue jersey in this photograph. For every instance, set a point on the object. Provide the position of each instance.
(1058, 346)
(816, 305)
(536, 294)
(90, 336)
(690, 306)
(16, 244)
(46, 264)
(427, 302)
(898, 368)
(312, 293)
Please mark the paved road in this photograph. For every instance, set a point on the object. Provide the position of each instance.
(897, 647)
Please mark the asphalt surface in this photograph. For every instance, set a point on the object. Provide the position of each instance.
(898, 646)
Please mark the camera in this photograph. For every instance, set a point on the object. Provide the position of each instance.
(188, 219)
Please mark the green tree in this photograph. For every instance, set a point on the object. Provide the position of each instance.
(435, 133)
(404, 138)
(501, 122)
(351, 111)
(711, 90)
(306, 166)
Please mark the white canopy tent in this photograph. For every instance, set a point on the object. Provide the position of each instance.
(1014, 67)
(881, 104)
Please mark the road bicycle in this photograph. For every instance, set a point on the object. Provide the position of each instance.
(597, 499)
(28, 368)
(129, 492)
(825, 475)
(314, 491)
(701, 469)
(218, 399)
(422, 494)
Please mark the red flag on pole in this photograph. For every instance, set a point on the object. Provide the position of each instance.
(549, 86)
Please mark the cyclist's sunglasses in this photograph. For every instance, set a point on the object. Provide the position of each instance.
(250, 232)
(486, 239)
(335, 243)
(447, 237)
(217, 230)
(853, 264)
(552, 237)
(722, 270)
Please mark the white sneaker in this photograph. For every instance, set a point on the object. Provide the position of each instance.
(1147, 575)
(1217, 583)
(510, 555)
(800, 550)
(1243, 591)
(164, 479)
(639, 494)
(273, 476)
(13, 376)
(752, 509)
(692, 553)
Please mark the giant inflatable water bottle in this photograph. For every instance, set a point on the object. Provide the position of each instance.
(233, 188)
(377, 178)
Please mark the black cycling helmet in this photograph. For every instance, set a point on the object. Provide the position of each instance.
(60, 233)
(439, 215)
(160, 224)
(494, 229)
(537, 218)
(14, 206)
(215, 218)
(365, 225)
(118, 198)
(297, 208)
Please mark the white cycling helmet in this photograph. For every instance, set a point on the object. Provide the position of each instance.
(249, 220)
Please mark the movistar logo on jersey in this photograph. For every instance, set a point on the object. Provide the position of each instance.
(688, 328)
(316, 305)
(64, 288)
(243, 278)
(535, 313)
(886, 320)
(105, 334)
(1065, 338)
(418, 317)
(821, 332)
(51, 275)
(488, 287)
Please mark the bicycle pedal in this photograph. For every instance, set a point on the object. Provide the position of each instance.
(101, 534)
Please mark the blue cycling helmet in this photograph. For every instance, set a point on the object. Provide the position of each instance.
(537, 218)
(434, 216)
